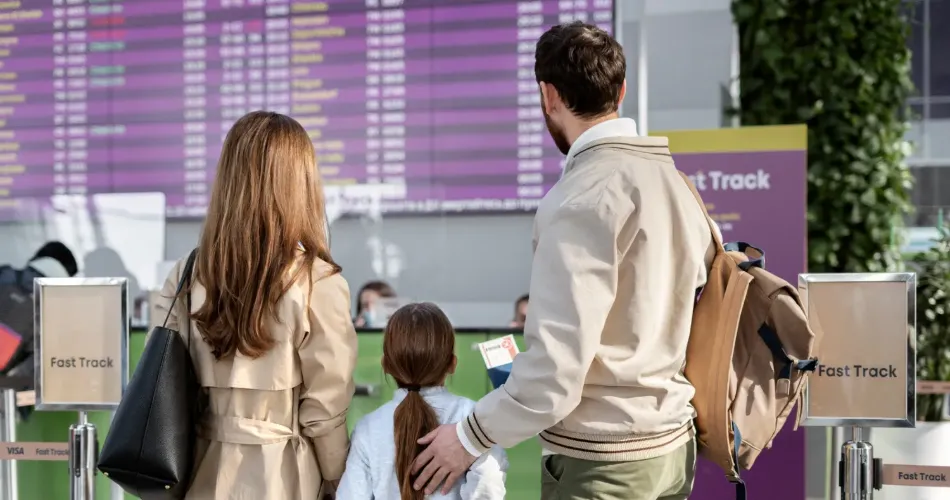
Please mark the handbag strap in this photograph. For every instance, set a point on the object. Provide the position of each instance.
(184, 280)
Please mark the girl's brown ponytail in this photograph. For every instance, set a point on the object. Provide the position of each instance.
(418, 352)
(414, 418)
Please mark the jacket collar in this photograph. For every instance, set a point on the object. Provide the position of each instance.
(618, 127)
(652, 147)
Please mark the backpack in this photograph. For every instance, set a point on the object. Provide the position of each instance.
(16, 311)
(749, 352)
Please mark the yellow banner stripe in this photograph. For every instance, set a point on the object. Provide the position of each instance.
(738, 140)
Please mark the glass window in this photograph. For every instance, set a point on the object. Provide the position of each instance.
(925, 192)
(915, 42)
(939, 45)
(940, 107)
(931, 193)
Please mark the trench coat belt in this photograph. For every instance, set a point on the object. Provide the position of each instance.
(239, 430)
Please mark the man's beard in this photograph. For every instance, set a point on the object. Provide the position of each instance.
(557, 133)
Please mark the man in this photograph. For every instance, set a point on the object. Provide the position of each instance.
(521, 312)
(621, 246)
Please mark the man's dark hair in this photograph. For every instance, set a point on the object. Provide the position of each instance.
(60, 253)
(586, 66)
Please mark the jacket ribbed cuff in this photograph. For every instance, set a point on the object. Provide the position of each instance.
(466, 442)
(476, 434)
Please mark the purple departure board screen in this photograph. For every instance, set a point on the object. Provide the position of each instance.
(412, 105)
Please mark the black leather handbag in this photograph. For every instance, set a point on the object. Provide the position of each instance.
(150, 448)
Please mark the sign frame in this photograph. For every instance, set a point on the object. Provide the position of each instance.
(39, 285)
(909, 418)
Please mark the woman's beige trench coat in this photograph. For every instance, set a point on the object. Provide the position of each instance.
(275, 426)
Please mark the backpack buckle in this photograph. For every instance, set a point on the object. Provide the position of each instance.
(783, 387)
(807, 365)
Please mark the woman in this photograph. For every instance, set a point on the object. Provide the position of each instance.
(270, 330)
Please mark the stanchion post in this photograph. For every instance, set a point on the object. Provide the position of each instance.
(857, 472)
(9, 489)
(874, 386)
(83, 455)
(78, 368)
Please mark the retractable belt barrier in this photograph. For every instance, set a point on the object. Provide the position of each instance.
(19, 450)
(915, 475)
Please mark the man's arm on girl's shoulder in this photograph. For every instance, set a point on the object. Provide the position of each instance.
(357, 482)
(485, 480)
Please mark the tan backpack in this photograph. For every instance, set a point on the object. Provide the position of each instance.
(749, 352)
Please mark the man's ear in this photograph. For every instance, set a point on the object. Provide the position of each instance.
(549, 97)
(623, 93)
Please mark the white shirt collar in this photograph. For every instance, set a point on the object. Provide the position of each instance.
(618, 127)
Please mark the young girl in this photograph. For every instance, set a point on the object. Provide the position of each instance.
(418, 352)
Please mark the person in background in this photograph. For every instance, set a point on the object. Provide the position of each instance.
(366, 301)
(521, 312)
(269, 324)
(419, 354)
(620, 248)
(54, 260)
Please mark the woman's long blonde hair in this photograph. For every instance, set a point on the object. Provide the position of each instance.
(266, 216)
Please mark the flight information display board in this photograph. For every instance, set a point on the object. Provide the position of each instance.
(412, 105)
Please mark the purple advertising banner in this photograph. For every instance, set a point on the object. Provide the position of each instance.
(753, 182)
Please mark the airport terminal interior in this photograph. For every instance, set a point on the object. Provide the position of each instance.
(814, 131)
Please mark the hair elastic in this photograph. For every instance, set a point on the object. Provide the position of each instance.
(412, 388)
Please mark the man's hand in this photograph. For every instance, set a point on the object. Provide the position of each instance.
(442, 462)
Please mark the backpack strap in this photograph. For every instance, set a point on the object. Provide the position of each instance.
(746, 255)
(699, 200)
(736, 290)
(741, 493)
